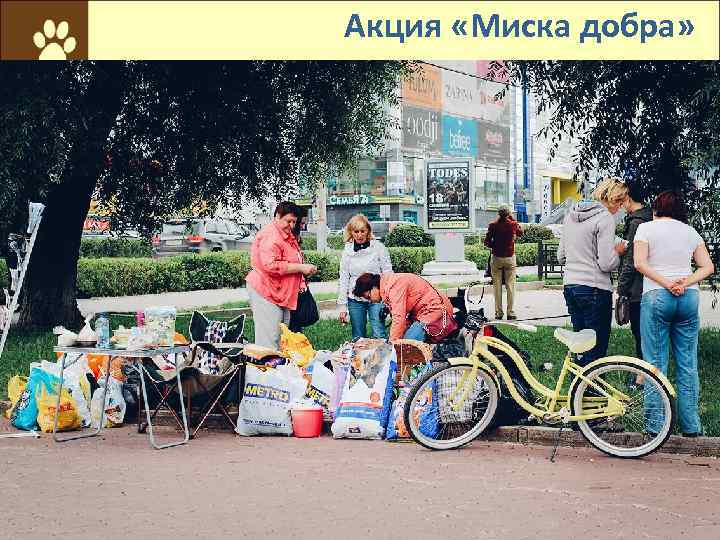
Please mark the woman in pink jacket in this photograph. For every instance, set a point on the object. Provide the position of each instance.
(277, 274)
(418, 309)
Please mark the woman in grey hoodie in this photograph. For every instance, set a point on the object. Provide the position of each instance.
(588, 250)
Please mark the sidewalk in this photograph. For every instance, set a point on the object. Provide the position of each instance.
(216, 297)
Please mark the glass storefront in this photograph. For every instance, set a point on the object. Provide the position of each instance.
(492, 187)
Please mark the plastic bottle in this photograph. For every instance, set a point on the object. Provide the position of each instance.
(102, 329)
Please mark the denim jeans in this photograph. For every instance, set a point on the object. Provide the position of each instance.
(590, 307)
(635, 327)
(667, 320)
(359, 313)
(415, 331)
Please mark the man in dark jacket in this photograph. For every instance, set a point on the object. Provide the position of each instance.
(630, 281)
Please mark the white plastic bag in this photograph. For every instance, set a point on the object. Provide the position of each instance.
(267, 398)
(115, 405)
(367, 395)
(322, 384)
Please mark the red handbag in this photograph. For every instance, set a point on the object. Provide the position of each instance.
(441, 328)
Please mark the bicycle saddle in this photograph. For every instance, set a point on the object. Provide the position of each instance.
(577, 342)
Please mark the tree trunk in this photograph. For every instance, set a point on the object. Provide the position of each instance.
(49, 297)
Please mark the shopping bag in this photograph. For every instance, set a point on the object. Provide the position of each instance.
(321, 385)
(16, 386)
(267, 398)
(113, 401)
(47, 404)
(295, 346)
(24, 414)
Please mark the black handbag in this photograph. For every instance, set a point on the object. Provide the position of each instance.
(622, 310)
(306, 313)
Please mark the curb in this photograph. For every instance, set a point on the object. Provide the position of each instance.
(526, 435)
(547, 436)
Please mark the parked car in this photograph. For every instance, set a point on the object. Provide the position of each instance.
(200, 235)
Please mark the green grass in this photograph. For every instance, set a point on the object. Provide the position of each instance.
(330, 334)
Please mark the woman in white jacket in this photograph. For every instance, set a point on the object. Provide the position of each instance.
(362, 253)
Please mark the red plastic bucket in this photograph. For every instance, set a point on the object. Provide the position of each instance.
(307, 422)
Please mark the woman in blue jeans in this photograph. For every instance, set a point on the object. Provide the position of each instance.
(362, 254)
(669, 305)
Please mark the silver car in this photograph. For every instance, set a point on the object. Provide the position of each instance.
(200, 235)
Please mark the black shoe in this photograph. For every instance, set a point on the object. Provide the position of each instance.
(511, 318)
(692, 435)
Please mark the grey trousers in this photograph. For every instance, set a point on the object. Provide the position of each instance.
(267, 318)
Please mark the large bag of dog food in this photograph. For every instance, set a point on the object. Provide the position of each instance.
(267, 398)
(396, 428)
(367, 394)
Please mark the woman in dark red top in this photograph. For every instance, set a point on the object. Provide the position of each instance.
(500, 238)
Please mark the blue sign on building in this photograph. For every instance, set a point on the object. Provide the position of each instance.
(459, 136)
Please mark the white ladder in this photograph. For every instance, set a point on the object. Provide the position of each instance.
(8, 311)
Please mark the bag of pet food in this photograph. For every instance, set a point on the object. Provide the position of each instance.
(367, 394)
(267, 398)
(396, 428)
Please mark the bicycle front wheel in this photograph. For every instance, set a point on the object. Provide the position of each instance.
(450, 406)
(647, 420)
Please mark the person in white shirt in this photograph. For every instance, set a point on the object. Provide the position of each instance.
(362, 254)
(663, 250)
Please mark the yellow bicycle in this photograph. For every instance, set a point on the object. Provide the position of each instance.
(622, 405)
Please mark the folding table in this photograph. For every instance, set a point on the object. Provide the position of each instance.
(135, 359)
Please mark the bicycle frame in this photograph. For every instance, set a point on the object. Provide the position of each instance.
(553, 404)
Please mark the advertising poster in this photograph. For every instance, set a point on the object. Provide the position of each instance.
(460, 136)
(423, 88)
(448, 195)
(421, 129)
(493, 143)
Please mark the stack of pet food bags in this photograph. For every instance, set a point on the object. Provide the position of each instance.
(365, 372)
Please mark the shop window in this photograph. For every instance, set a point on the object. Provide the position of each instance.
(492, 187)
(410, 216)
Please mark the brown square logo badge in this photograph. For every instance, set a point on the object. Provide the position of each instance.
(43, 30)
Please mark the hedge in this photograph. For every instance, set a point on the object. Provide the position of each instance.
(334, 241)
(115, 247)
(132, 276)
(125, 276)
(409, 235)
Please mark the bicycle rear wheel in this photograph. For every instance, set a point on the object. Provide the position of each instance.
(647, 421)
(450, 406)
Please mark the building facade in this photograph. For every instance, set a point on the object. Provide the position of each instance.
(454, 109)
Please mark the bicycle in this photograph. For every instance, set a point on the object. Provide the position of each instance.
(454, 402)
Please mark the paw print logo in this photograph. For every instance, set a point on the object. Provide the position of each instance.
(54, 50)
